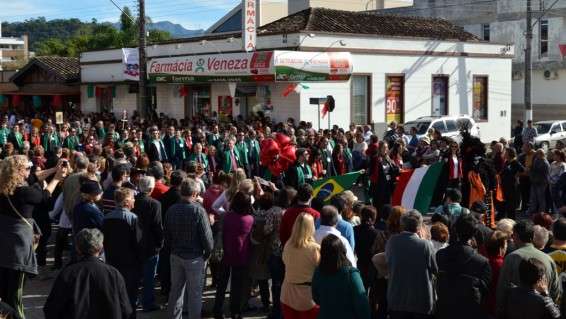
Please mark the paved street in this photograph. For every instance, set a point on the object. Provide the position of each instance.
(37, 290)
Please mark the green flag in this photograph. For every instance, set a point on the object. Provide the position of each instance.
(326, 188)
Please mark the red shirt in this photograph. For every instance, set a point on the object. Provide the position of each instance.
(289, 219)
(159, 190)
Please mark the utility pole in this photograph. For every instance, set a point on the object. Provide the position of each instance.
(142, 94)
(528, 62)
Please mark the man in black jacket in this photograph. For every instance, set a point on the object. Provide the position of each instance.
(122, 241)
(89, 288)
(463, 275)
(148, 211)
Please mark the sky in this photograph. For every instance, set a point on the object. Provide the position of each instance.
(191, 14)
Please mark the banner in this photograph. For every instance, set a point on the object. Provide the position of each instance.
(394, 102)
(264, 66)
(298, 66)
(249, 24)
(232, 67)
(131, 61)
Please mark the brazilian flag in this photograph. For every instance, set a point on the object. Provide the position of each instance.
(326, 188)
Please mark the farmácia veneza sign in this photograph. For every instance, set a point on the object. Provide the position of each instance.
(263, 66)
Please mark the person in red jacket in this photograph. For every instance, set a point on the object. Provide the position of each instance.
(302, 205)
(496, 247)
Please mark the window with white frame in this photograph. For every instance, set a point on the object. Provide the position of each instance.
(543, 38)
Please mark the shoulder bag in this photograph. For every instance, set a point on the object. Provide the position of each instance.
(36, 234)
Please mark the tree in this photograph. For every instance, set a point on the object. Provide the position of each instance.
(158, 36)
(70, 37)
(53, 46)
(126, 23)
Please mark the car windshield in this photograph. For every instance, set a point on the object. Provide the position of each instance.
(422, 127)
(543, 128)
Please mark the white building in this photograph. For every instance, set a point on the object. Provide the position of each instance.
(504, 21)
(377, 69)
(13, 51)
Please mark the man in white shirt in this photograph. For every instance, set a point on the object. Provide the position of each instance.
(328, 221)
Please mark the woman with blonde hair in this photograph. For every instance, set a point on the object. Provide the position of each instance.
(18, 231)
(222, 203)
(301, 256)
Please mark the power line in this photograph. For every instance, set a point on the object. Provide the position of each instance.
(127, 15)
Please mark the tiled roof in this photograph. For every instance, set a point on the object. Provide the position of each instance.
(348, 22)
(337, 21)
(68, 69)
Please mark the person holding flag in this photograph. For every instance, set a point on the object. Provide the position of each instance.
(382, 173)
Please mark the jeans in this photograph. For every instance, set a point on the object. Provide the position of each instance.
(537, 202)
(148, 294)
(186, 274)
(277, 271)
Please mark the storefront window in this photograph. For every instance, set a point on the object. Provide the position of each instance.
(104, 98)
(439, 95)
(394, 103)
(199, 101)
(360, 99)
(480, 98)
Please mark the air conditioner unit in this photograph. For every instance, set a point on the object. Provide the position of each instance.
(517, 75)
(550, 75)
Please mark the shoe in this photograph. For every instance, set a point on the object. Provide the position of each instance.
(152, 308)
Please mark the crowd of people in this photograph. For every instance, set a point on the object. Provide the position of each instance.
(177, 206)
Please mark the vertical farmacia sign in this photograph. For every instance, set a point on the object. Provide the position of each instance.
(250, 25)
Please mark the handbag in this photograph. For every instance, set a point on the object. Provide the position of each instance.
(36, 234)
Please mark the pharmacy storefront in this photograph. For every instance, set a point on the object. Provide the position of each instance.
(246, 83)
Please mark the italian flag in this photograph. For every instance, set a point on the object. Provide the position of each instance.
(415, 187)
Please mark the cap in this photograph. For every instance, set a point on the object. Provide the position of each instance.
(90, 187)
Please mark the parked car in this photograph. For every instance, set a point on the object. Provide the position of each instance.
(549, 132)
(448, 126)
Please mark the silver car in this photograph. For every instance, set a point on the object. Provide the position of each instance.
(549, 132)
